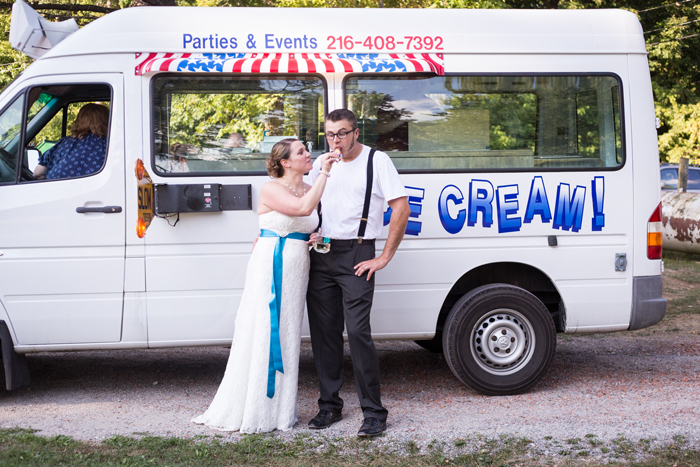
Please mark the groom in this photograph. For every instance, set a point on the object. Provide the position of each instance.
(341, 282)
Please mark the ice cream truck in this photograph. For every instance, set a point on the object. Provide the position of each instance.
(526, 141)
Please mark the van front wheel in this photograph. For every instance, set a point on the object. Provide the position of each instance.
(499, 339)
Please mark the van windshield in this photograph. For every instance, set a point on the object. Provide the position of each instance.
(214, 124)
(490, 122)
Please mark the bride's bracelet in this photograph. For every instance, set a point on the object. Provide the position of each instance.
(324, 173)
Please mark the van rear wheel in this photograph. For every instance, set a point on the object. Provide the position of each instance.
(499, 339)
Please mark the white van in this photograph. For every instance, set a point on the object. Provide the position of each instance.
(526, 140)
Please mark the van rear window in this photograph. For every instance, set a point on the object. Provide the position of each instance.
(229, 124)
(463, 123)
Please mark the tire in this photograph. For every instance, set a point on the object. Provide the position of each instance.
(518, 329)
(434, 345)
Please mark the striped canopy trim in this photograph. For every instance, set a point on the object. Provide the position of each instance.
(289, 63)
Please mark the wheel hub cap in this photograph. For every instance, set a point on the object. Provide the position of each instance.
(502, 341)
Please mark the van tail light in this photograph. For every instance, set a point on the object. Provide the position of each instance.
(654, 228)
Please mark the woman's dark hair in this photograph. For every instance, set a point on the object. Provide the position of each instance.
(280, 151)
(92, 118)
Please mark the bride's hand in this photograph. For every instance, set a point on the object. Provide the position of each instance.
(327, 160)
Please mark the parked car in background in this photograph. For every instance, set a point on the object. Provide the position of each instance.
(669, 178)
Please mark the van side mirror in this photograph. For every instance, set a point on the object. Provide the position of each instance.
(31, 157)
(30, 164)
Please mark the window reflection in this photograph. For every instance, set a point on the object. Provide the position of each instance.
(230, 124)
(500, 122)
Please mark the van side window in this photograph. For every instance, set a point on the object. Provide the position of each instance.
(214, 124)
(67, 131)
(10, 127)
(459, 123)
(615, 99)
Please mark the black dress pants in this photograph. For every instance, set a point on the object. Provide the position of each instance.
(336, 296)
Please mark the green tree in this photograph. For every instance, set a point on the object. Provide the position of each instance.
(682, 135)
(12, 62)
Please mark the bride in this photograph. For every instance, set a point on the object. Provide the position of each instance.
(259, 390)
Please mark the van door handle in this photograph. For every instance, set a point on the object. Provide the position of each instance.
(105, 209)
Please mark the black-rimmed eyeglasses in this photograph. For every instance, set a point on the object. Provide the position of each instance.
(341, 135)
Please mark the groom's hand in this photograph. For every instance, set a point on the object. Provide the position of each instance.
(312, 238)
(370, 266)
(397, 227)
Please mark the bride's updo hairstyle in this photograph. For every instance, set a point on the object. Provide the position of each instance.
(280, 151)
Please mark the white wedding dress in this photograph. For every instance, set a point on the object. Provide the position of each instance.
(241, 402)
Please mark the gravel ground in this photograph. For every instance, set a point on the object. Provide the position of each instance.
(638, 385)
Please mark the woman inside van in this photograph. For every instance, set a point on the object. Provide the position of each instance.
(81, 153)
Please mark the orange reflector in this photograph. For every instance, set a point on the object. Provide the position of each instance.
(141, 227)
(139, 169)
(654, 239)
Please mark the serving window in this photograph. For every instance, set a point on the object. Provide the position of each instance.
(490, 122)
(229, 124)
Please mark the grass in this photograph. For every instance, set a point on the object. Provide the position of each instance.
(685, 296)
(22, 447)
(593, 440)
(675, 454)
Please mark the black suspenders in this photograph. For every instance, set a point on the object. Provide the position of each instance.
(368, 196)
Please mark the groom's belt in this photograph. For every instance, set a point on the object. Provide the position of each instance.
(351, 242)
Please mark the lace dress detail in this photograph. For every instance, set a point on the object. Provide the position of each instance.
(241, 403)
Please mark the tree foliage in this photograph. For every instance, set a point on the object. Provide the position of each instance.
(12, 62)
(674, 47)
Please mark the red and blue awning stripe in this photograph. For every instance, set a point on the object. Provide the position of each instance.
(289, 63)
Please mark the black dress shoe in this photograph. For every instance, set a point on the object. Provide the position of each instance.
(324, 419)
(372, 427)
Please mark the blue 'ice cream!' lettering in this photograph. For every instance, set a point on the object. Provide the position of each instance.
(568, 213)
(598, 189)
(537, 202)
(568, 206)
(452, 194)
(480, 199)
(415, 199)
(507, 205)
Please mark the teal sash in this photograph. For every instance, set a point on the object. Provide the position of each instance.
(275, 362)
